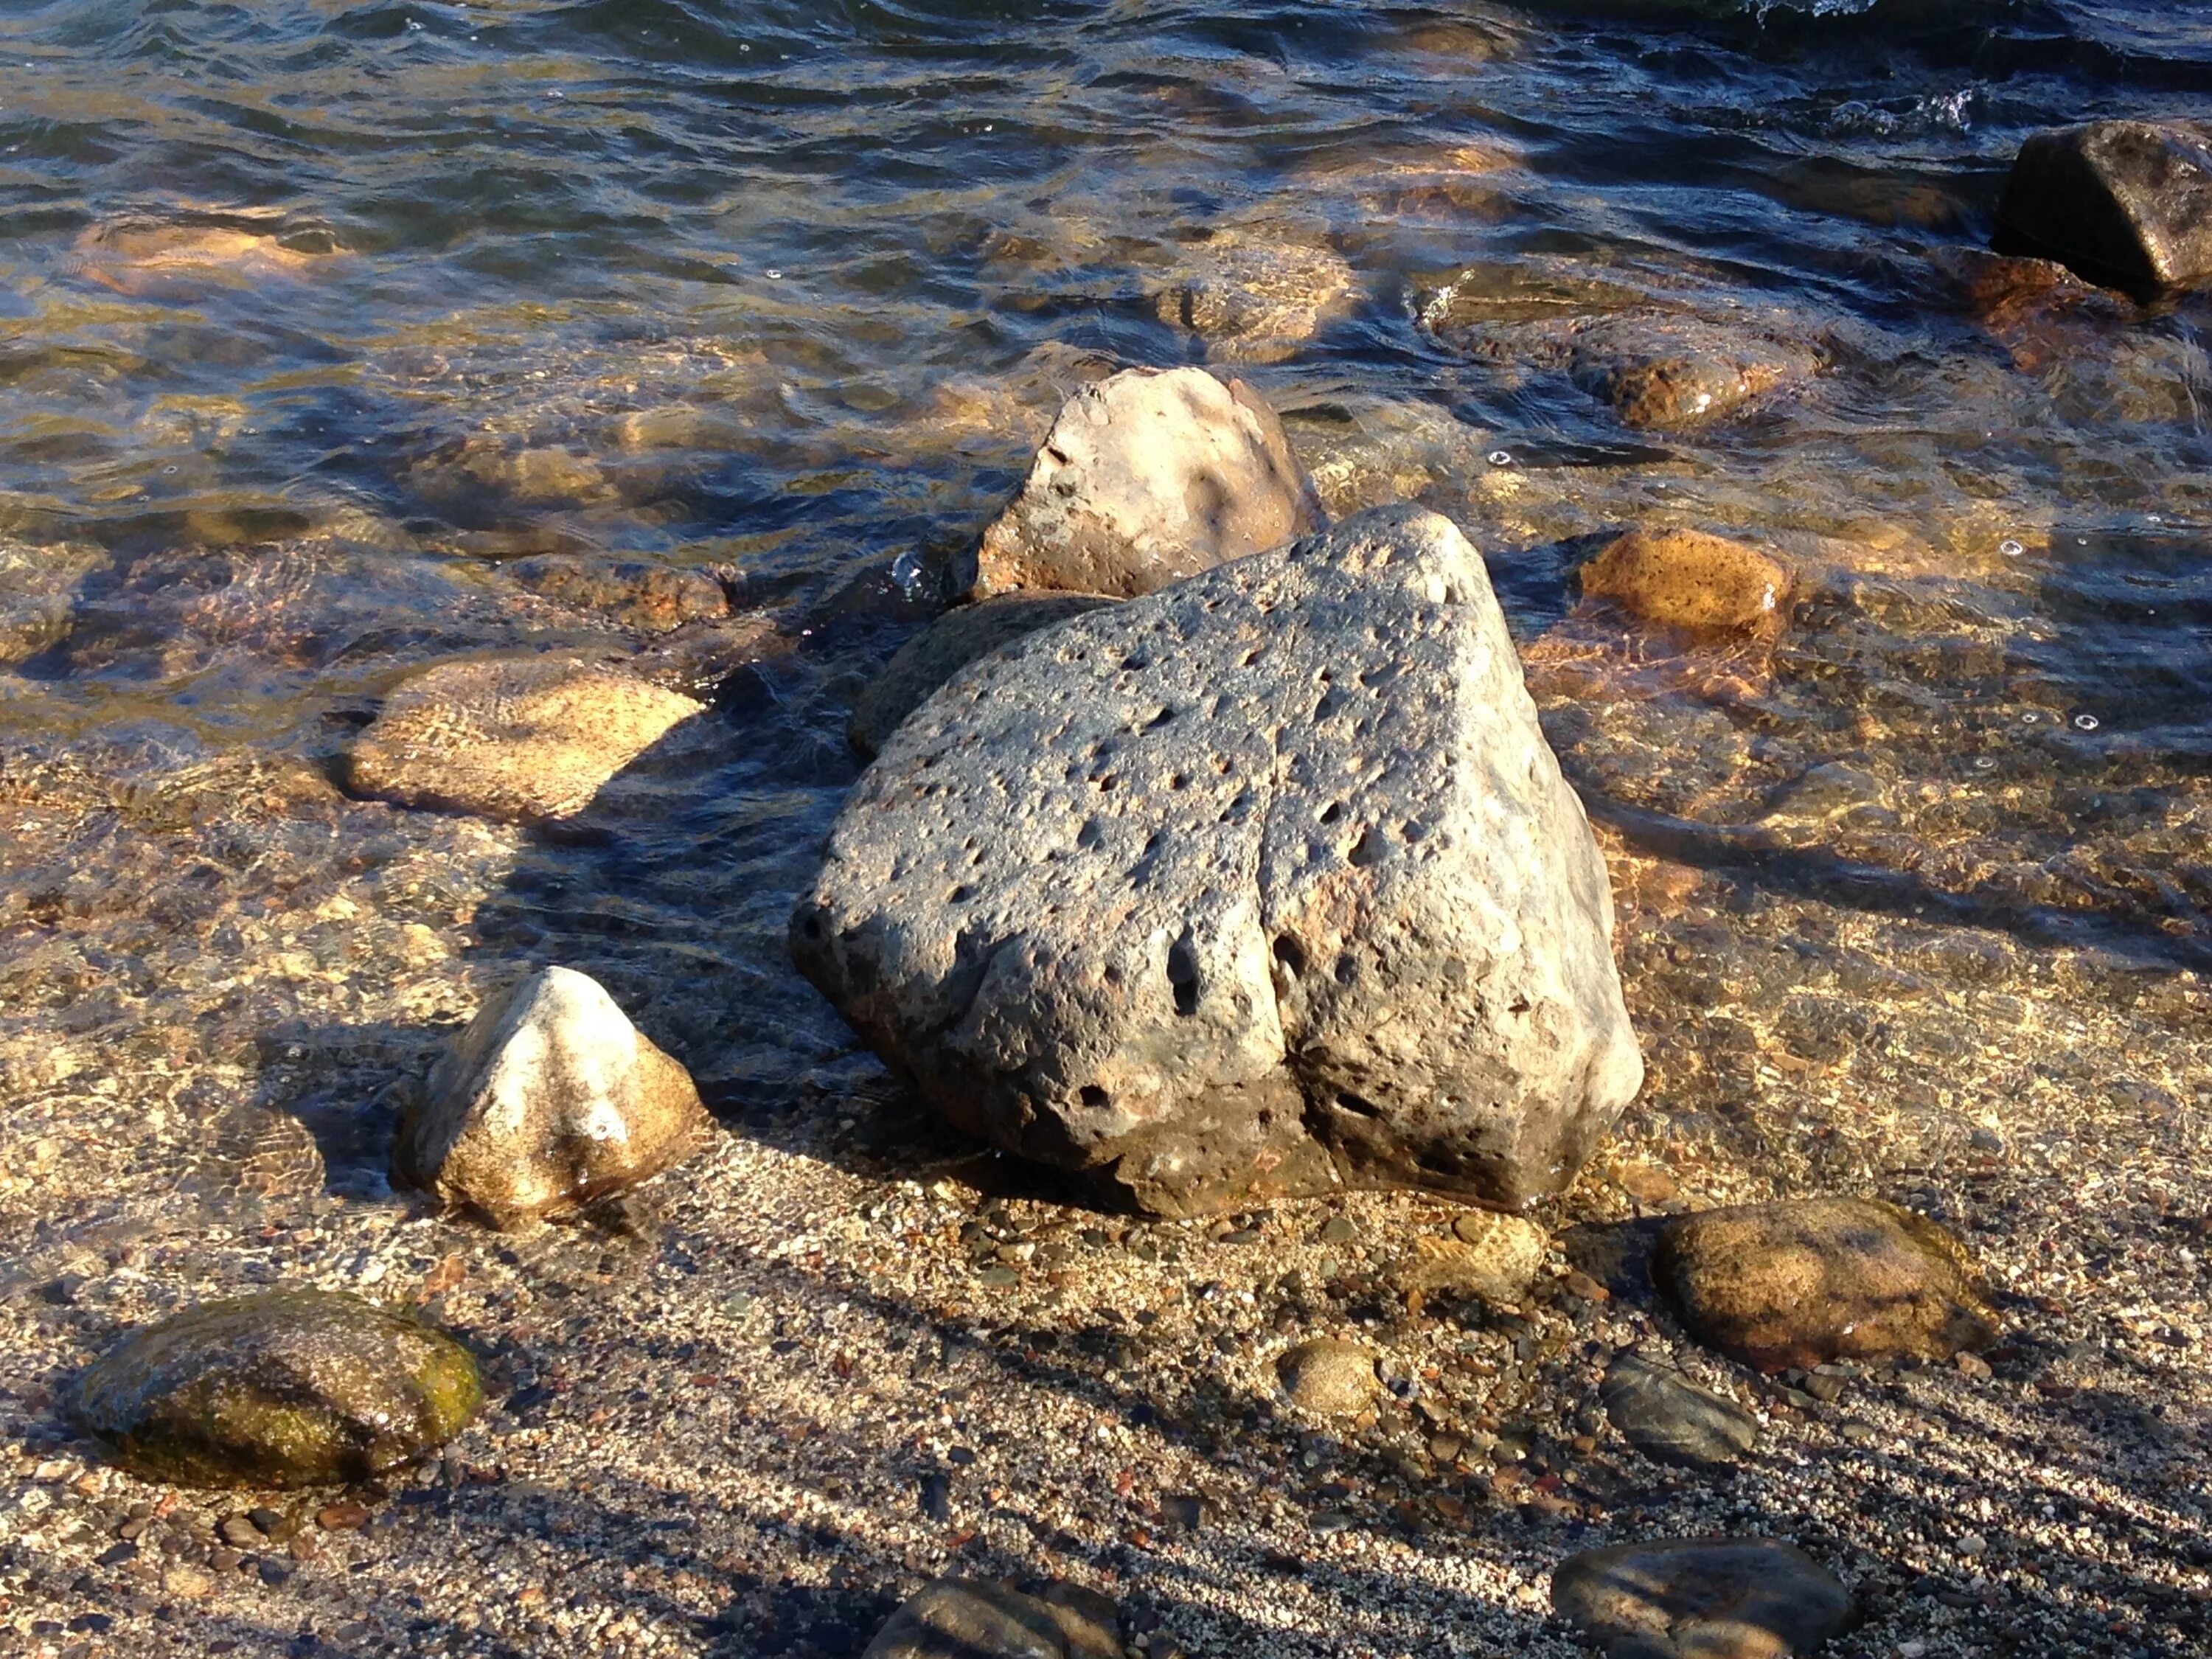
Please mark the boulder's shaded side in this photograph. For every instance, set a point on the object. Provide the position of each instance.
(1147, 477)
(1801, 1282)
(2128, 203)
(285, 1388)
(549, 1100)
(974, 1618)
(518, 738)
(1703, 1598)
(944, 648)
(1256, 885)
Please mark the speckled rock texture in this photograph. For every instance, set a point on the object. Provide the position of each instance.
(2128, 203)
(1801, 1282)
(944, 648)
(1493, 1258)
(975, 1619)
(1260, 885)
(1703, 1598)
(1328, 1378)
(1690, 581)
(549, 1100)
(1146, 477)
(285, 1388)
(520, 738)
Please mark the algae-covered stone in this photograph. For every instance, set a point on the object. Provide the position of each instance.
(284, 1389)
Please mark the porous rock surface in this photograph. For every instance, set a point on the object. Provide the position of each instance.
(1493, 1258)
(975, 1619)
(1258, 885)
(1146, 477)
(522, 738)
(1703, 1598)
(2128, 203)
(285, 1388)
(549, 1100)
(944, 648)
(1803, 1281)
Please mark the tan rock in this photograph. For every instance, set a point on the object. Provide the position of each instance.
(1147, 477)
(550, 1099)
(945, 647)
(1799, 1283)
(518, 738)
(1490, 1256)
(1255, 294)
(1676, 374)
(974, 1618)
(1328, 1378)
(1686, 579)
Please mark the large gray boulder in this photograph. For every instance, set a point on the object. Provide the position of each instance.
(2128, 203)
(1146, 477)
(550, 1099)
(1257, 885)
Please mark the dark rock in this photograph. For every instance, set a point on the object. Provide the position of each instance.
(1670, 1420)
(1710, 1598)
(1147, 477)
(285, 1388)
(1206, 892)
(947, 646)
(2127, 204)
(972, 1619)
(1796, 1284)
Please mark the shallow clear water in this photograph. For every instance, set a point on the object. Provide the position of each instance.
(319, 322)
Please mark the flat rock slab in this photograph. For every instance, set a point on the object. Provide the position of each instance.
(1706, 1598)
(1796, 1284)
(1670, 1420)
(1147, 477)
(1260, 885)
(550, 1099)
(523, 739)
(2128, 203)
(285, 1388)
(944, 648)
(975, 1619)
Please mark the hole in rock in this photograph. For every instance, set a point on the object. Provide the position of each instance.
(1290, 953)
(1182, 974)
(1331, 813)
(1520, 1005)
(1361, 1104)
(1095, 1096)
(1159, 719)
(1374, 847)
(959, 895)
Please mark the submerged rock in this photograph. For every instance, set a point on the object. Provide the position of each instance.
(550, 1099)
(1796, 1284)
(1674, 374)
(2127, 204)
(1255, 294)
(945, 647)
(519, 738)
(1687, 579)
(1670, 1420)
(1146, 477)
(1328, 1378)
(285, 1388)
(1703, 1598)
(630, 593)
(1491, 1257)
(974, 1618)
(1260, 885)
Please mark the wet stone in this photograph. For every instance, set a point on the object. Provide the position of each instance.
(1691, 580)
(549, 1101)
(1670, 1420)
(525, 738)
(1145, 478)
(1677, 374)
(974, 1619)
(1256, 293)
(1329, 1377)
(1799, 1283)
(2125, 203)
(284, 1389)
(1714, 1598)
(945, 647)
